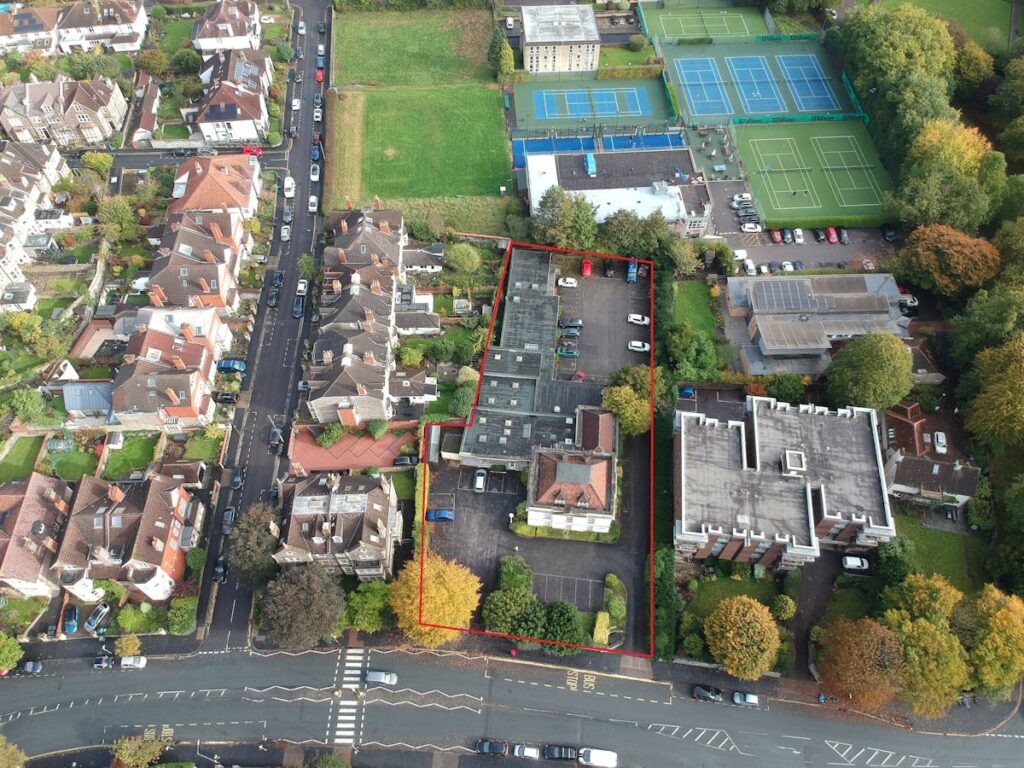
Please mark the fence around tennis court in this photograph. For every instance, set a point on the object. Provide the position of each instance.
(649, 15)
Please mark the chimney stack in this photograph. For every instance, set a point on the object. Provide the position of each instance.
(344, 227)
(129, 359)
(348, 204)
(186, 332)
(377, 205)
(172, 396)
(336, 286)
(385, 227)
(115, 494)
(208, 255)
(328, 357)
(368, 314)
(178, 362)
(204, 285)
(368, 358)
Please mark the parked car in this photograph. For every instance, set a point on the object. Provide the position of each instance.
(798, 236)
(289, 186)
(28, 668)
(277, 278)
(237, 478)
(707, 693)
(638, 319)
(380, 677)
(276, 438)
(440, 515)
(940, 444)
(318, 99)
(103, 662)
(228, 398)
(609, 269)
(831, 235)
(586, 268)
(774, 267)
(314, 153)
(273, 298)
(639, 346)
(567, 282)
(744, 699)
(133, 662)
(252, 150)
(302, 27)
(480, 480)
(286, 233)
(851, 563)
(844, 236)
(492, 747)
(287, 214)
(406, 461)
(599, 758)
(71, 620)
(318, 115)
(220, 570)
(319, 75)
(302, 288)
(206, 151)
(776, 236)
(314, 204)
(321, 27)
(299, 307)
(570, 333)
(570, 322)
(229, 520)
(559, 752)
(742, 196)
(888, 233)
(787, 266)
(566, 351)
(798, 265)
(787, 235)
(232, 365)
(526, 752)
(303, 386)
(99, 613)
(314, 172)
(819, 235)
(749, 226)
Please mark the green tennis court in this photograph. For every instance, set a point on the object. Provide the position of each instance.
(727, 23)
(811, 174)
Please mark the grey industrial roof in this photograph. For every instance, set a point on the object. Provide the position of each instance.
(91, 396)
(530, 306)
(840, 451)
(559, 24)
(623, 169)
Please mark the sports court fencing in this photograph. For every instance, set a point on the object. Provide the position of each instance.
(853, 97)
(666, 81)
(798, 37)
(821, 117)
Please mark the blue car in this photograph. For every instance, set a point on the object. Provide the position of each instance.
(230, 365)
(71, 620)
(299, 307)
(320, 62)
(315, 154)
(440, 515)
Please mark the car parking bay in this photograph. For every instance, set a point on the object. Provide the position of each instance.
(497, 482)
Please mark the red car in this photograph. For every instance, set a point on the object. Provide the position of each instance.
(832, 235)
(316, 138)
(319, 75)
(249, 149)
(776, 236)
(586, 268)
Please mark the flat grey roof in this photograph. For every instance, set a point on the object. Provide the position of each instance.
(530, 305)
(622, 169)
(559, 24)
(840, 452)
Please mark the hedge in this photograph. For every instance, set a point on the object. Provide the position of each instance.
(542, 532)
(631, 72)
(842, 220)
(615, 600)
(602, 628)
(519, 76)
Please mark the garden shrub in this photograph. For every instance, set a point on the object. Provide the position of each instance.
(693, 645)
(602, 628)
(514, 573)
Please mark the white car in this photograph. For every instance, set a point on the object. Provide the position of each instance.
(302, 27)
(638, 319)
(939, 441)
(855, 563)
(567, 282)
(314, 172)
(763, 269)
(743, 197)
(266, 19)
(526, 752)
(318, 115)
(302, 287)
(639, 346)
(303, 386)
(751, 227)
(289, 186)
(787, 266)
(286, 233)
(314, 204)
(745, 699)
(798, 236)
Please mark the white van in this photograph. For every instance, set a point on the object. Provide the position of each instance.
(602, 758)
(510, 23)
(296, 105)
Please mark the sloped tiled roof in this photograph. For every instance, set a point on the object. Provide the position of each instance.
(27, 518)
(573, 480)
(213, 184)
(227, 103)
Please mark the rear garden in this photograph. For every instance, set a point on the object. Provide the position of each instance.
(136, 454)
(20, 459)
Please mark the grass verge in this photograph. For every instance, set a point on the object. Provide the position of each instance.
(343, 163)
(19, 461)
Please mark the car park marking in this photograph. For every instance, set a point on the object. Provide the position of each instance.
(712, 738)
(875, 758)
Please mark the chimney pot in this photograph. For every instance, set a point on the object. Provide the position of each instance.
(377, 204)
(385, 227)
(186, 331)
(178, 362)
(157, 543)
(172, 396)
(129, 359)
(115, 494)
(344, 226)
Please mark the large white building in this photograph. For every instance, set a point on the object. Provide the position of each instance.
(560, 38)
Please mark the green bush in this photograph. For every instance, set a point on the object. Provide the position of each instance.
(783, 608)
(196, 561)
(377, 428)
(602, 628)
(615, 606)
(693, 645)
(792, 582)
(688, 622)
(141, 619)
(181, 618)
(692, 585)
(636, 43)
(514, 573)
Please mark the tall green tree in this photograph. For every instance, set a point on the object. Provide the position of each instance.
(923, 198)
(138, 751)
(494, 50)
(302, 606)
(936, 664)
(450, 595)
(367, 608)
(507, 60)
(307, 267)
(118, 219)
(997, 652)
(873, 371)
(991, 317)
(564, 625)
(504, 607)
(101, 162)
(639, 379)
(10, 652)
(974, 65)
(948, 262)
(565, 220)
(10, 755)
(924, 596)
(694, 354)
(463, 257)
(996, 414)
(1007, 102)
(742, 636)
(862, 661)
(253, 543)
(634, 412)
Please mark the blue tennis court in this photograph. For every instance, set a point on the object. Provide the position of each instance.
(557, 104)
(807, 82)
(755, 85)
(643, 141)
(523, 147)
(703, 87)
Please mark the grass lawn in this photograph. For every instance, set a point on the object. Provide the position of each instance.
(24, 361)
(20, 460)
(612, 56)
(977, 18)
(422, 48)
(84, 252)
(589, 618)
(172, 131)
(956, 556)
(69, 286)
(471, 214)
(73, 466)
(846, 603)
(692, 298)
(96, 372)
(274, 33)
(137, 300)
(344, 157)
(405, 483)
(16, 616)
(432, 142)
(128, 251)
(136, 453)
(178, 32)
(203, 448)
(441, 405)
(711, 593)
(454, 332)
(45, 307)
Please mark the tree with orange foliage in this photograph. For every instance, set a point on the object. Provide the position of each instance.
(862, 661)
(943, 260)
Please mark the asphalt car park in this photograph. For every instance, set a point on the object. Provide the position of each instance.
(603, 303)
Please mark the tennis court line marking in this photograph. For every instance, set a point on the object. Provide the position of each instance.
(767, 78)
(708, 74)
(798, 69)
(831, 174)
(701, 27)
(769, 178)
(555, 99)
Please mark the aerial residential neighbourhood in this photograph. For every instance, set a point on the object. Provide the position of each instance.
(425, 382)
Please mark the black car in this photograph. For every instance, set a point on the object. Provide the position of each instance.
(299, 307)
(276, 438)
(774, 267)
(570, 322)
(406, 461)
(559, 752)
(321, 27)
(888, 233)
(225, 397)
(220, 570)
(298, 76)
(287, 215)
(787, 235)
(707, 693)
(798, 266)
(237, 478)
(318, 100)
(492, 747)
(273, 298)
(609, 269)
(844, 236)
(103, 662)
(819, 235)
(278, 278)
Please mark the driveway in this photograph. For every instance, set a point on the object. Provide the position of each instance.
(603, 303)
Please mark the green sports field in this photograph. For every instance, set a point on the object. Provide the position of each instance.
(813, 174)
(726, 23)
(433, 142)
(987, 21)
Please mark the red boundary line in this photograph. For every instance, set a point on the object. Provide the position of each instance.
(472, 417)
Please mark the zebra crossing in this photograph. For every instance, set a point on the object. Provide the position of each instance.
(348, 709)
